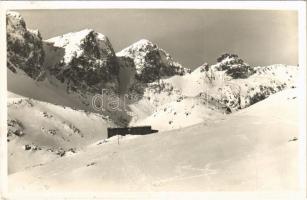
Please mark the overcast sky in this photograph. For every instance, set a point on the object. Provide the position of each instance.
(192, 37)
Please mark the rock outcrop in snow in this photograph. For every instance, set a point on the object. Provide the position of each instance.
(24, 47)
(233, 66)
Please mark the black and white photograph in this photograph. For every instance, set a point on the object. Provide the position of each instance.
(140, 99)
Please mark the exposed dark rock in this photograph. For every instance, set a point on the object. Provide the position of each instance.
(24, 47)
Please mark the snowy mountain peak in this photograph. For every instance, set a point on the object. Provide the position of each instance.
(77, 36)
(144, 41)
(16, 15)
(204, 67)
(15, 23)
(141, 45)
(151, 62)
(88, 61)
(74, 43)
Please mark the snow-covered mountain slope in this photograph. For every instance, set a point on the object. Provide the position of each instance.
(50, 90)
(211, 86)
(205, 78)
(40, 132)
(24, 46)
(266, 80)
(179, 114)
(88, 63)
(151, 62)
(232, 153)
(236, 93)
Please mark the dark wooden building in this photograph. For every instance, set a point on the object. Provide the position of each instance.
(136, 130)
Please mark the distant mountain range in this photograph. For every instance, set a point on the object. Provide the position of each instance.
(82, 64)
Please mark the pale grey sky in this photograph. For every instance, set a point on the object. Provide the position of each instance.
(192, 37)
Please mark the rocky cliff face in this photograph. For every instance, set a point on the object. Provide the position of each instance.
(126, 74)
(151, 62)
(24, 47)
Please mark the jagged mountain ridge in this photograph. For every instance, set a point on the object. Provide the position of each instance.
(86, 63)
(215, 90)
